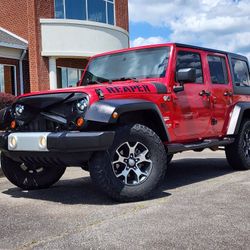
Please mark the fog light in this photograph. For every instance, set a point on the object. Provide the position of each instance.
(13, 142)
(43, 142)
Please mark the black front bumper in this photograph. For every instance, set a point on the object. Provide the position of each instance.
(67, 148)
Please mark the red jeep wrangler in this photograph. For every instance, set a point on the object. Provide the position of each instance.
(133, 109)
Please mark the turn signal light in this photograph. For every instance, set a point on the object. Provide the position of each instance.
(115, 115)
(13, 124)
(80, 122)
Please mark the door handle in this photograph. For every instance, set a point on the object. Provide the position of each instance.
(205, 93)
(228, 93)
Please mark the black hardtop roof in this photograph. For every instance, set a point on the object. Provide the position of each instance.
(231, 55)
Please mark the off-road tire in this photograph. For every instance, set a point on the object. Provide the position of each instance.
(102, 172)
(30, 178)
(169, 158)
(238, 153)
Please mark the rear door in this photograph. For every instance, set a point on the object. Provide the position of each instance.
(221, 90)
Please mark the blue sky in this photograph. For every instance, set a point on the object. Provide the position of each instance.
(219, 24)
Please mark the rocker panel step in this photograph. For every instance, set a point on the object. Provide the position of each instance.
(208, 143)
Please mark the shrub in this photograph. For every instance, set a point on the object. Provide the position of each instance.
(6, 99)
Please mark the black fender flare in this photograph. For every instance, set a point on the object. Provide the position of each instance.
(236, 117)
(101, 111)
(5, 117)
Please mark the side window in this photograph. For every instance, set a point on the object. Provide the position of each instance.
(218, 69)
(240, 73)
(187, 59)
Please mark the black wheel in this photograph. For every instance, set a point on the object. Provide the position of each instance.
(29, 177)
(238, 153)
(169, 158)
(133, 167)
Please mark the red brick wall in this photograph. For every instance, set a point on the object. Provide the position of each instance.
(121, 10)
(71, 63)
(13, 16)
(39, 66)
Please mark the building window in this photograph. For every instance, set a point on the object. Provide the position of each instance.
(7, 78)
(68, 77)
(92, 10)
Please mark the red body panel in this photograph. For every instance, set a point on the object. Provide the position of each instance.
(188, 116)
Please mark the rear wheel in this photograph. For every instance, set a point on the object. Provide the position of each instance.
(133, 166)
(238, 153)
(29, 177)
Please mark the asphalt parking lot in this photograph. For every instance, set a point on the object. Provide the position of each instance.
(203, 205)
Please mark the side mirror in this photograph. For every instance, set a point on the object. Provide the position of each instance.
(186, 75)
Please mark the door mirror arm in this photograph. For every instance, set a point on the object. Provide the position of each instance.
(178, 88)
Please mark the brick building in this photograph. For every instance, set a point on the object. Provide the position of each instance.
(45, 44)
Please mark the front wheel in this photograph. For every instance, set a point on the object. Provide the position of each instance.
(238, 153)
(133, 166)
(30, 177)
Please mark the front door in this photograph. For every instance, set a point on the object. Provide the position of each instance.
(191, 107)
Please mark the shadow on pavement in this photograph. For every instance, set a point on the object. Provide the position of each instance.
(82, 191)
(187, 171)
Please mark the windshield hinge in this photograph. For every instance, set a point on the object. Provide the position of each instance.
(100, 94)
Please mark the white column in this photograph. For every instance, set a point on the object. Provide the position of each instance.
(52, 73)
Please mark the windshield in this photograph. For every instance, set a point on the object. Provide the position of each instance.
(136, 64)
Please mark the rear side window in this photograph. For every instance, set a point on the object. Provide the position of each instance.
(187, 59)
(240, 73)
(218, 69)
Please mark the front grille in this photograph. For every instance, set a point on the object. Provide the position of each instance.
(40, 125)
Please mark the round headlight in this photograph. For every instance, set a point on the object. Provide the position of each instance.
(19, 109)
(82, 105)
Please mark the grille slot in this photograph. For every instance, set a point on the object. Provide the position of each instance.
(40, 125)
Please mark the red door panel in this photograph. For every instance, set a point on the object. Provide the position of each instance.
(192, 108)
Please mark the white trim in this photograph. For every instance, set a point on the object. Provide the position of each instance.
(14, 46)
(14, 35)
(66, 22)
(64, 9)
(2, 79)
(87, 12)
(15, 80)
(234, 117)
(115, 12)
(21, 71)
(106, 4)
(52, 73)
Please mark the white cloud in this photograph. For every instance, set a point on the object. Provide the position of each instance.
(220, 24)
(140, 41)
